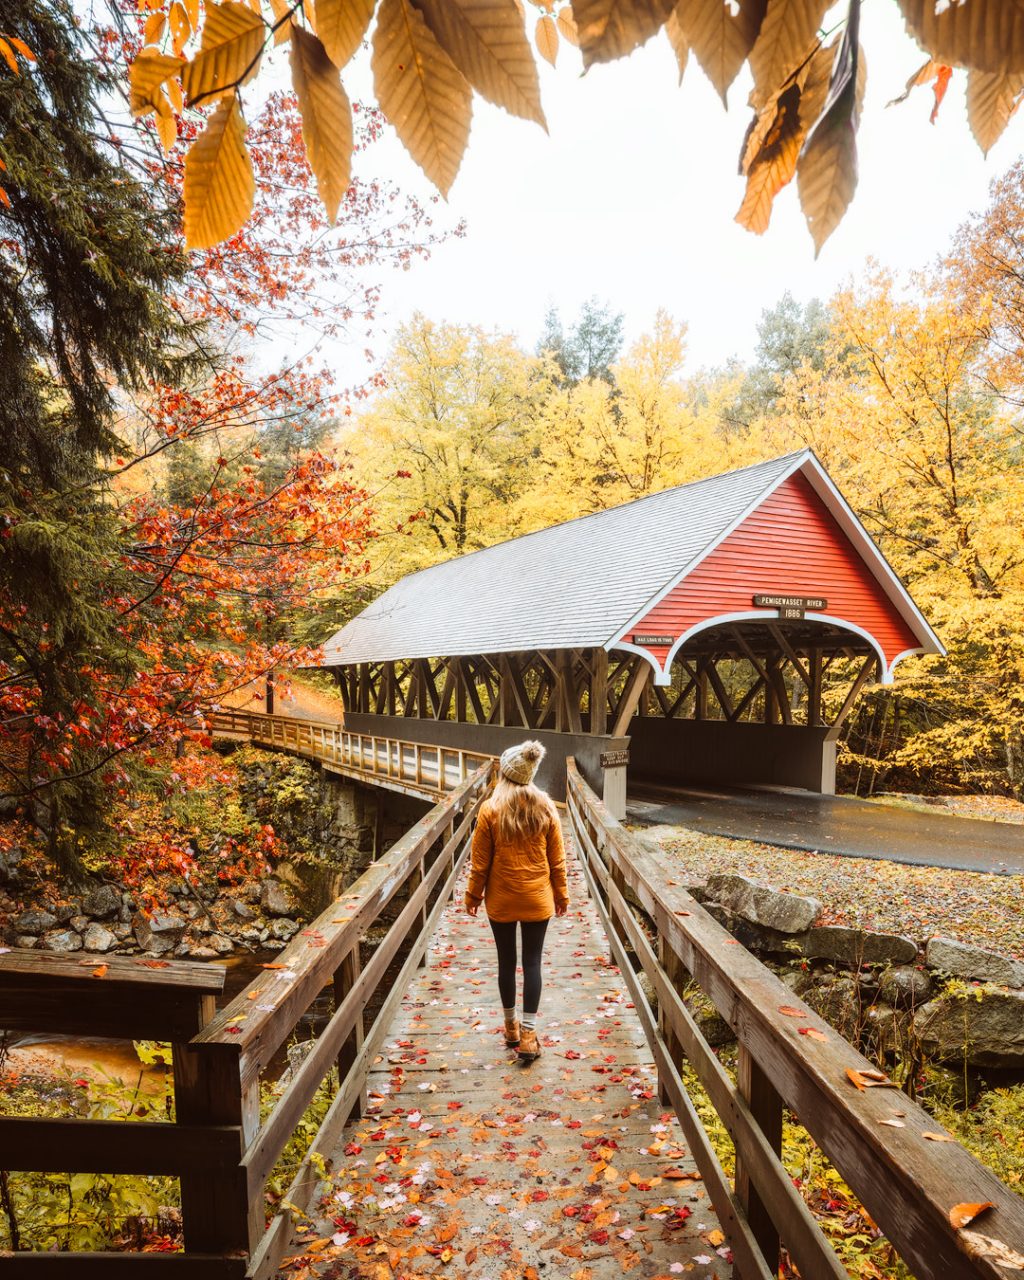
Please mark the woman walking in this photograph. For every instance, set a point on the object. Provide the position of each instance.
(518, 872)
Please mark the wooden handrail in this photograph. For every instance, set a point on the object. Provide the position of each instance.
(228, 1055)
(907, 1184)
(416, 768)
(130, 999)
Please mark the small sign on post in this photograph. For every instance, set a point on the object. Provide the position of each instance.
(614, 759)
(648, 640)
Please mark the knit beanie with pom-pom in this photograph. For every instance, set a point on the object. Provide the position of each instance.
(519, 763)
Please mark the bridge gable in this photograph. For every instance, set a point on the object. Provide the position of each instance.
(791, 544)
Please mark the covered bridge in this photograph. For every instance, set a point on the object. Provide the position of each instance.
(687, 636)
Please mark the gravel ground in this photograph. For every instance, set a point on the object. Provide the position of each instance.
(987, 910)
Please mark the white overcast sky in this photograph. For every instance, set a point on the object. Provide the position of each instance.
(632, 196)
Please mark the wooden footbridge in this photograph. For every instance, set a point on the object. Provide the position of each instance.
(438, 1153)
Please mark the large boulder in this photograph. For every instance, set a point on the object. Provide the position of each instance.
(102, 902)
(858, 946)
(98, 938)
(905, 986)
(985, 1026)
(160, 932)
(838, 1000)
(61, 940)
(221, 945)
(963, 961)
(784, 912)
(277, 899)
(755, 937)
(35, 921)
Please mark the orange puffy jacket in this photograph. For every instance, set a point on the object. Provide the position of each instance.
(521, 880)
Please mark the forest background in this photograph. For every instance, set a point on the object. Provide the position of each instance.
(178, 519)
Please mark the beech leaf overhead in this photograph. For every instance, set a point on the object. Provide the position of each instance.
(774, 164)
(148, 72)
(326, 118)
(486, 39)
(982, 35)
(229, 54)
(677, 39)
(610, 29)
(720, 35)
(219, 183)
(342, 26)
(421, 92)
(827, 168)
(788, 32)
(992, 98)
(566, 23)
(545, 37)
(430, 55)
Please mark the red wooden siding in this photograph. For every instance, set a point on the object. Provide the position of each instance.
(791, 544)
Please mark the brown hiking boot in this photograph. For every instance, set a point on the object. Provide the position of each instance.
(529, 1045)
(512, 1033)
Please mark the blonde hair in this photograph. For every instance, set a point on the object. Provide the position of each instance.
(520, 810)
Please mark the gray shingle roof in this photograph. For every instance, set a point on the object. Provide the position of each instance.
(575, 584)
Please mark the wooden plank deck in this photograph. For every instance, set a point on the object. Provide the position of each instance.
(469, 1164)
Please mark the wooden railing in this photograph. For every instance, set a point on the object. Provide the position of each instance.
(415, 768)
(62, 995)
(907, 1183)
(220, 1148)
(228, 1212)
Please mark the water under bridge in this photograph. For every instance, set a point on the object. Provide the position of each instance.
(438, 1153)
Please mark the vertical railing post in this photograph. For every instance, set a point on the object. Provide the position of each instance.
(417, 755)
(218, 1213)
(415, 880)
(345, 978)
(766, 1105)
(677, 976)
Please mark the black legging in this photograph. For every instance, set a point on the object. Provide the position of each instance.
(533, 946)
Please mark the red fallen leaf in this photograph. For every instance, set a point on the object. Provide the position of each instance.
(813, 1032)
(539, 1195)
(100, 970)
(962, 1214)
(471, 1255)
(571, 1053)
(790, 1012)
(570, 1211)
(600, 1236)
(234, 1031)
(353, 1149)
(156, 964)
(682, 913)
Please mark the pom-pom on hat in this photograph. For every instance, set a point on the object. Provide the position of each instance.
(519, 763)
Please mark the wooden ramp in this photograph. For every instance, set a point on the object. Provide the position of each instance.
(468, 1164)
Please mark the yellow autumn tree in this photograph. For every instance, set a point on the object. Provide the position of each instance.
(448, 447)
(604, 444)
(931, 460)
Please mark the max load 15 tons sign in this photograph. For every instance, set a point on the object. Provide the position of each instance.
(791, 606)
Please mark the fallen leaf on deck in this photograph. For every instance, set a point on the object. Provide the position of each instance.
(100, 970)
(961, 1215)
(156, 964)
(893, 1124)
(716, 1237)
(812, 1032)
(938, 1137)
(790, 1012)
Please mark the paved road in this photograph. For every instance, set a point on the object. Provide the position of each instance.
(837, 824)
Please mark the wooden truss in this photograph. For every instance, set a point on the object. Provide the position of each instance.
(737, 674)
